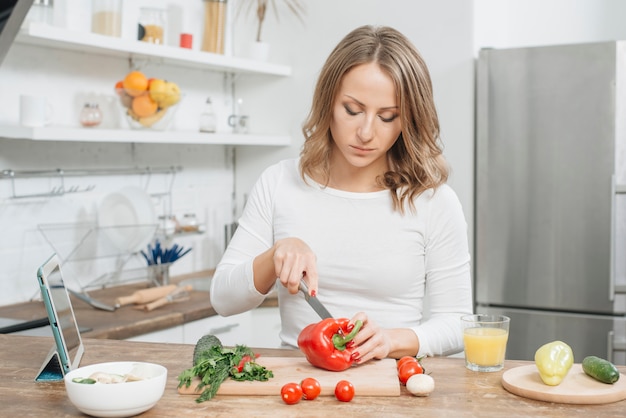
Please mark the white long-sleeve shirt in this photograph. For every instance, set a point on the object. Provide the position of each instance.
(370, 258)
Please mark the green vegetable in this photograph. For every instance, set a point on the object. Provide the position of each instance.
(553, 361)
(217, 364)
(203, 344)
(600, 369)
(86, 381)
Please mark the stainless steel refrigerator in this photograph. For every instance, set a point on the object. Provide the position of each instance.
(550, 248)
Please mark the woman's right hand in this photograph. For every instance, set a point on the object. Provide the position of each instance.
(293, 259)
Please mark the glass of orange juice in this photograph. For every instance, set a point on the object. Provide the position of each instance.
(485, 337)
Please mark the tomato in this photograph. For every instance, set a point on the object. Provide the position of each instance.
(408, 369)
(344, 391)
(405, 359)
(311, 388)
(291, 393)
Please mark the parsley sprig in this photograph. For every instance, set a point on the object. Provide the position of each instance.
(217, 364)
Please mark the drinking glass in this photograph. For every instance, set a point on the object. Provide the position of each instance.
(484, 338)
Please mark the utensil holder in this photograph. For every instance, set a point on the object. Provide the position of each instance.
(161, 274)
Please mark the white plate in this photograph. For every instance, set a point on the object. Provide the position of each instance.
(127, 218)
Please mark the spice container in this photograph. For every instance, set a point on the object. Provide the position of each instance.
(168, 225)
(189, 223)
(90, 115)
(106, 17)
(151, 25)
(214, 26)
(186, 40)
(207, 117)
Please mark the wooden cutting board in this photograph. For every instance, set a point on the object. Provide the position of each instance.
(576, 388)
(374, 378)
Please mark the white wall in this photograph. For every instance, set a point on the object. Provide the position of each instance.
(447, 32)
(442, 32)
(521, 23)
(68, 79)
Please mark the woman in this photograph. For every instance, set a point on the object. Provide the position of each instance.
(364, 215)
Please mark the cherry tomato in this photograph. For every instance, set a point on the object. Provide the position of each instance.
(405, 359)
(291, 393)
(408, 369)
(344, 391)
(311, 388)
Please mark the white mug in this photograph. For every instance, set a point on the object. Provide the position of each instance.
(35, 111)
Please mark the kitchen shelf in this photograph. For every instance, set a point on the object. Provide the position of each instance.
(55, 133)
(40, 34)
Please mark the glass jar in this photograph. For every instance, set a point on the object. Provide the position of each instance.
(151, 25)
(168, 225)
(214, 26)
(106, 17)
(91, 115)
(189, 223)
(41, 11)
(207, 117)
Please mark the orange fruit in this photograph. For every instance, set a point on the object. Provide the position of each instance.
(144, 106)
(135, 83)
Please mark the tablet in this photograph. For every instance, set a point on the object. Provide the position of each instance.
(68, 349)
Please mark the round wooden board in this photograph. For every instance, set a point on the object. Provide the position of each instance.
(576, 388)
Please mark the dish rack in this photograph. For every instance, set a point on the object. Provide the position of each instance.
(82, 242)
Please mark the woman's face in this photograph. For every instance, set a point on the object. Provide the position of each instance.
(366, 118)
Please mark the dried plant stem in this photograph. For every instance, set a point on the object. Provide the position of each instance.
(295, 7)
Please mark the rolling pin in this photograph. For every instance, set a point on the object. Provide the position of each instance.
(145, 295)
(180, 294)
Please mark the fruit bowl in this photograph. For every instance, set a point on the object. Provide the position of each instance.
(148, 103)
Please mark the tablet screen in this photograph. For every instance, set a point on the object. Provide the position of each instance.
(61, 315)
(65, 315)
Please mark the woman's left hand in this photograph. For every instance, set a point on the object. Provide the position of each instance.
(372, 341)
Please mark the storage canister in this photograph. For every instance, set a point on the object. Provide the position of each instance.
(214, 26)
(151, 25)
(106, 17)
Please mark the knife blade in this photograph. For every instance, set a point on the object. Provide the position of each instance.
(314, 302)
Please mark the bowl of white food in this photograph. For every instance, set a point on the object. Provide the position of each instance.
(116, 389)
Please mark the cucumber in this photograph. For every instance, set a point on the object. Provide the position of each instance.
(600, 369)
(205, 343)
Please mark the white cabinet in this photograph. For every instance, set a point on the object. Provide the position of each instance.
(258, 328)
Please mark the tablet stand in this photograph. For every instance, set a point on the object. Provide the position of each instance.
(51, 369)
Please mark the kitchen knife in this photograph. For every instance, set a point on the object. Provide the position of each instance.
(314, 302)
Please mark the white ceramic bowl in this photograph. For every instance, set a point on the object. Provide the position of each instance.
(127, 217)
(117, 399)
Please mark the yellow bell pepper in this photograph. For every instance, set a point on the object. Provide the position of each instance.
(554, 361)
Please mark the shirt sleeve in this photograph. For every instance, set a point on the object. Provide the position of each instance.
(448, 276)
(232, 286)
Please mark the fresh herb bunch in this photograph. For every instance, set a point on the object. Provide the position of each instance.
(216, 364)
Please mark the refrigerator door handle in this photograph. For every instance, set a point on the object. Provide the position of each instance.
(613, 345)
(614, 288)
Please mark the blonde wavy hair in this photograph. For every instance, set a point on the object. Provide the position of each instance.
(416, 162)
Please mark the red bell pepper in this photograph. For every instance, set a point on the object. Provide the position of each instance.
(324, 343)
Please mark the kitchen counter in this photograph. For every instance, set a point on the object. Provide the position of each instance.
(127, 322)
(458, 393)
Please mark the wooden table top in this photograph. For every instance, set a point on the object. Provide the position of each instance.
(458, 392)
